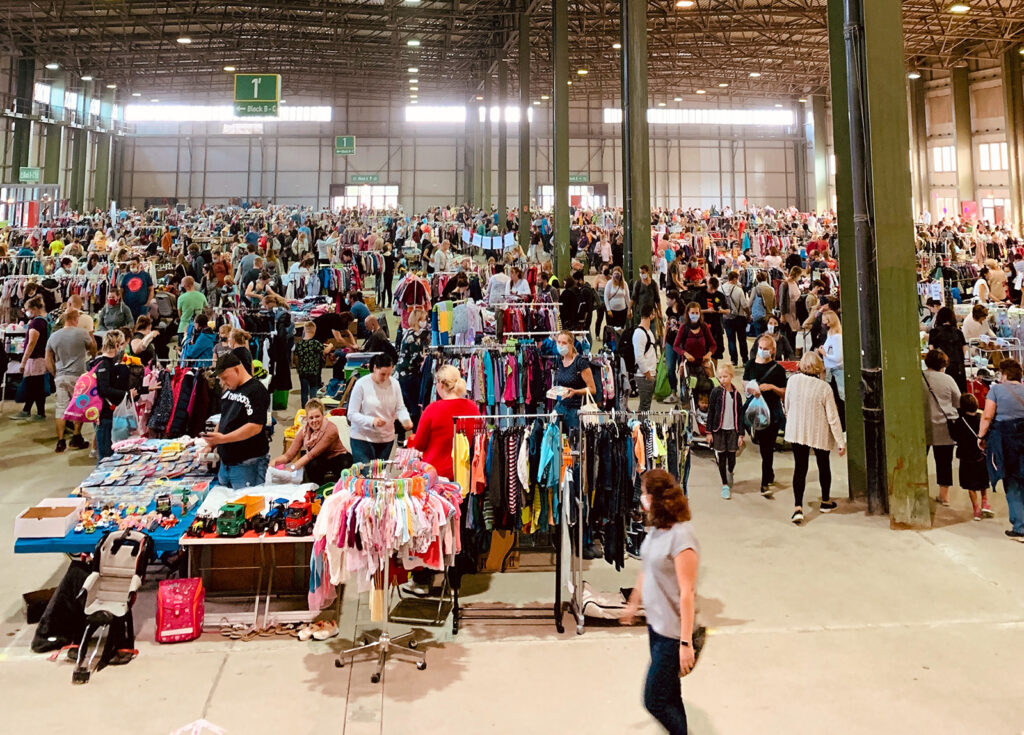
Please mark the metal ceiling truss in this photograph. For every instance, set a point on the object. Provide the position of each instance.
(324, 48)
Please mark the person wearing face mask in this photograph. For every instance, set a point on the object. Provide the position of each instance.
(374, 406)
(694, 343)
(766, 378)
(111, 386)
(114, 315)
(573, 373)
(784, 348)
(616, 299)
(645, 292)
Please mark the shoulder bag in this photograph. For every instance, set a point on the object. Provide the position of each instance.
(950, 423)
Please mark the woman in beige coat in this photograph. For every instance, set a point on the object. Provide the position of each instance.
(812, 422)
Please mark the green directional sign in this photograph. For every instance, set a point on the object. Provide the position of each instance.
(579, 178)
(344, 145)
(364, 179)
(257, 95)
(28, 175)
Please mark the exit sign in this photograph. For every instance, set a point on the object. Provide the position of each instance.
(257, 94)
(364, 179)
(344, 145)
(28, 175)
(579, 178)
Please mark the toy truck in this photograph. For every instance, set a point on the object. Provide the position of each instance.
(236, 518)
(299, 521)
(274, 519)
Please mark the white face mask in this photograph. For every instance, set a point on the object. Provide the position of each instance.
(771, 329)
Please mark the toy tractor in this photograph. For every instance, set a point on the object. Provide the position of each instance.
(274, 520)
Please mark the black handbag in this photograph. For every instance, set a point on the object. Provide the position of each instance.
(951, 424)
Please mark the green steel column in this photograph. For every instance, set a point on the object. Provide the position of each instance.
(636, 167)
(560, 98)
(101, 182)
(524, 132)
(1013, 104)
(478, 155)
(79, 150)
(919, 146)
(54, 131)
(22, 135)
(800, 157)
(488, 104)
(856, 460)
(962, 136)
(503, 144)
(819, 120)
(891, 225)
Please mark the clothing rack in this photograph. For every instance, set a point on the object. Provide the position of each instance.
(506, 612)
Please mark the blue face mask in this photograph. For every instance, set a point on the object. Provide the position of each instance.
(694, 318)
(763, 354)
(563, 350)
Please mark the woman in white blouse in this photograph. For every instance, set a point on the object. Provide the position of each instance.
(376, 403)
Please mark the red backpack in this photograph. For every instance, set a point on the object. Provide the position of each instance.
(179, 610)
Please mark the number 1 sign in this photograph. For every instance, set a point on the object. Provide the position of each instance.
(257, 94)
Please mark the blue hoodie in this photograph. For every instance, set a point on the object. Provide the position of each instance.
(198, 350)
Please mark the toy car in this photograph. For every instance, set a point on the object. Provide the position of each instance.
(299, 520)
(201, 526)
(274, 519)
(236, 518)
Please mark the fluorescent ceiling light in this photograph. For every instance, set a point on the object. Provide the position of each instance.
(413, 42)
(53, 65)
(414, 88)
(111, 86)
(136, 94)
(914, 75)
(755, 74)
(184, 40)
(702, 91)
(582, 72)
(543, 97)
(802, 99)
(616, 45)
(229, 68)
(959, 8)
(723, 85)
(479, 96)
(413, 69)
(685, 3)
(414, 81)
(661, 104)
(87, 78)
(569, 82)
(677, 99)
(154, 100)
(777, 104)
(536, 102)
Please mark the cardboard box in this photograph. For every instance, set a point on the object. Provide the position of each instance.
(51, 518)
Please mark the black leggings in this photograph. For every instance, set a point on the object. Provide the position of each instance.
(35, 392)
(726, 464)
(765, 439)
(801, 455)
(385, 289)
(943, 464)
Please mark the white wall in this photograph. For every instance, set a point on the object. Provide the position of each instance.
(295, 163)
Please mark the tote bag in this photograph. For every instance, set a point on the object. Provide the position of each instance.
(86, 403)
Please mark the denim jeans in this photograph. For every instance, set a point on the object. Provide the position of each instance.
(672, 361)
(103, 439)
(1014, 489)
(308, 386)
(570, 416)
(663, 695)
(245, 474)
(364, 451)
(736, 331)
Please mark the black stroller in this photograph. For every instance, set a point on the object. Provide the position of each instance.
(118, 568)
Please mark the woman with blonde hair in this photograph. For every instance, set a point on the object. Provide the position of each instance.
(324, 455)
(812, 422)
(435, 438)
(832, 356)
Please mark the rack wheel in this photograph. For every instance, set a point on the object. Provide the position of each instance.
(413, 643)
(338, 664)
(374, 678)
(421, 665)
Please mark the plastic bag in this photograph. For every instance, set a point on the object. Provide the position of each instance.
(757, 414)
(283, 476)
(126, 420)
(662, 387)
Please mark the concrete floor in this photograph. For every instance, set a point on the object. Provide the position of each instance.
(839, 626)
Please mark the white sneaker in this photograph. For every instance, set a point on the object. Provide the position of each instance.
(416, 590)
(328, 629)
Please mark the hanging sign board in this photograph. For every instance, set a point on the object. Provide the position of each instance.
(257, 95)
(29, 175)
(344, 145)
(579, 178)
(364, 178)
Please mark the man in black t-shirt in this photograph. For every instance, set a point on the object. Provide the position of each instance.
(714, 305)
(241, 438)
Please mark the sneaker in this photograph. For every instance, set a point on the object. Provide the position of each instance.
(61, 446)
(1015, 536)
(977, 514)
(827, 506)
(797, 517)
(20, 416)
(416, 590)
(306, 631)
(93, 454)
(767, 492)
(987, 512)
(37, 417)
(726, 492)
(328, 629)
(78, 442)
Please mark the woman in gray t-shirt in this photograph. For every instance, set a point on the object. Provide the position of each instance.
(666, 586)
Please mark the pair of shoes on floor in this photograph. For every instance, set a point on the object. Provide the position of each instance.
(415, 589)
(797, 517)
(321, 630)
(726, 492)
(827, 506)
